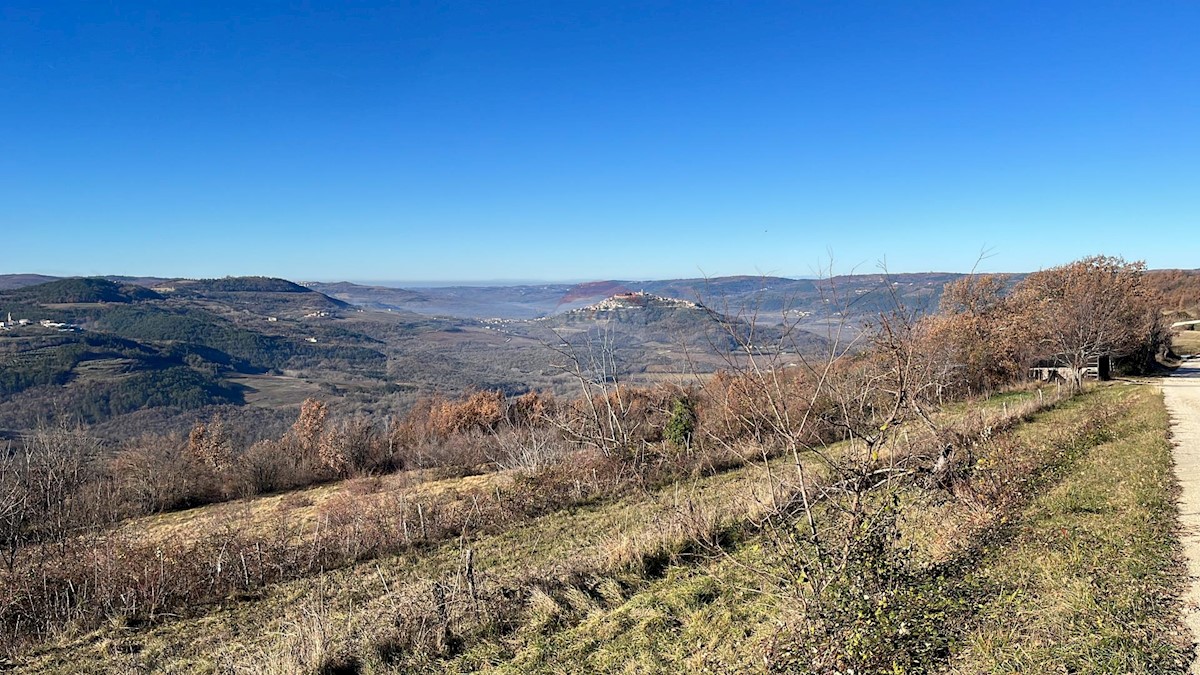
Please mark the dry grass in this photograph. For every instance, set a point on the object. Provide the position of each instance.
(1186, 342)
(1099, 600)
(1090, 580)
(363, 599)
(612, 585)
(303, 507)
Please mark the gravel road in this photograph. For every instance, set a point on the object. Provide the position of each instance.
(1182, 394)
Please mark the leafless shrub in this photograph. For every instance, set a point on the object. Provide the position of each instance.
(264, 468)
(53, 487)
(528, 450)
(607, 415)
(153, 474)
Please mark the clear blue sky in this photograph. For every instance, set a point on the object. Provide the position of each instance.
(584, 140)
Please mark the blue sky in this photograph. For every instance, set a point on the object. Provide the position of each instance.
(586, 140)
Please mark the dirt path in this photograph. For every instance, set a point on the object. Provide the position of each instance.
(1182, 394)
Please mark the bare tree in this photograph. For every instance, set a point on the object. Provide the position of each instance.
(50, 489)
(838, 416)
(600, 416)
(1094, 307)
(15, 500)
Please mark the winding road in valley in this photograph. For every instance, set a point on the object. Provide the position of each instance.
(1182, 394)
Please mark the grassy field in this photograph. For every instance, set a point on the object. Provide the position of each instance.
(1086, 580)
(1076, 574)
(304, 507)
(1083, 578)
(276, 391)
(1187, 342)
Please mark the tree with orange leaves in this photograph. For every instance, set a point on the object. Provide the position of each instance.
(1090, 308)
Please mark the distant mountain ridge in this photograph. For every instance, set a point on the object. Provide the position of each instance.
(764, 294)
(9, 282)
(768, 295)
(224, 284)
(375, 297)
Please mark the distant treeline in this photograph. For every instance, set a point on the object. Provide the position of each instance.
(83, 290)
(245, 285)
(1180, 289)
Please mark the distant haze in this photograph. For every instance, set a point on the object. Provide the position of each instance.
(462, 282)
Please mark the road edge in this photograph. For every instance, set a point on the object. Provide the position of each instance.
(1183, 410)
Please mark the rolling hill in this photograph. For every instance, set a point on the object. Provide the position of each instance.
(269, 343)
(91, 349)
(9, 282)
(770, 297)
(82, 290)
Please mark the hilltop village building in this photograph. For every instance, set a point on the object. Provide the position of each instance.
(44, 323)
(635, 300)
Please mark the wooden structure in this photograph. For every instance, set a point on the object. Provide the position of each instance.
(1097, 368)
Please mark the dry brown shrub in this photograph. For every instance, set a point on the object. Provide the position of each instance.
(742, 406)
(295, 500)
(306, 431)
(478, 411)
(210, 445)
(265, 467)
(531, 409)
(350, 446)
(364, 486)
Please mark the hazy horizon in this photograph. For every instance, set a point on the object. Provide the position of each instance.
(480, 283)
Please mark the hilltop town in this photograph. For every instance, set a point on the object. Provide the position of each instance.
(636, 300)
(48, 324)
